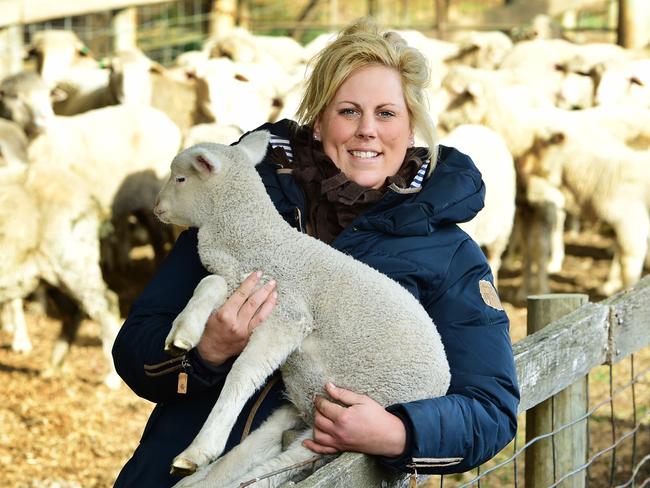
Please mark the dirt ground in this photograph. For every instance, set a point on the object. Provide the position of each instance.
(70, 431)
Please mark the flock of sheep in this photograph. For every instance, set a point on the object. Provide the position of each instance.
(556, 129)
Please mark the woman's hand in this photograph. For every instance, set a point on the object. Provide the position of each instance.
(230, 326)
(362, 425)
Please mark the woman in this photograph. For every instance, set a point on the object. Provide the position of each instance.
(351, 177)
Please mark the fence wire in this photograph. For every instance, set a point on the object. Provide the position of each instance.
(640, 419)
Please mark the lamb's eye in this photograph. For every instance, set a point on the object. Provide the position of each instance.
(180, 179)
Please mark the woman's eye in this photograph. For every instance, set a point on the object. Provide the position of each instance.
(348, 111)
(385, 114)
(180, 179)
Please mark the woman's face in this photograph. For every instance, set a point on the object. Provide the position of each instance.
(366, 128)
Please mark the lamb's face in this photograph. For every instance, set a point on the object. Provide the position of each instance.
(184, 199)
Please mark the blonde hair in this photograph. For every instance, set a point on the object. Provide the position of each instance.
(359, 45)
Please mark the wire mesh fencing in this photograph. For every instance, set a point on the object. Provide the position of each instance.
(618, 426)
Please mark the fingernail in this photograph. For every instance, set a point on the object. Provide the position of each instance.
(258, 273)
(271, 282)
(331, 385)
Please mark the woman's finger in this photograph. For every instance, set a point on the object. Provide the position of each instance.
(322, 423)
(319, 449)
(243, 291)
(330, 410)
(256, 299)
(264, 311)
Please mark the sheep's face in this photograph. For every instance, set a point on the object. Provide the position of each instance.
(199, 173)
(182, 200)
(466, 104)
(25, 99)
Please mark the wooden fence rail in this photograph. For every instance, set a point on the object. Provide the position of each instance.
(547, 362)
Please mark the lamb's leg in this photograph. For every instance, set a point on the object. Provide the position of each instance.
(71, 321)
(632, 229)
(632, 235)
(268, 348)
(261, 445)
(13, 318)
(294, 455)
(557, 242)
(87, 287)
(187, 328)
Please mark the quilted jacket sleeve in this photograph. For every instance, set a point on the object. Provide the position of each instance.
(138, 349)
(478, 415)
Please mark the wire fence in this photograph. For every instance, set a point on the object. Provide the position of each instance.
(166, 29)
(619, 442)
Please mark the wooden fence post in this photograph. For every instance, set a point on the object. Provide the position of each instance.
(125, 29)
(11, 50)
(550, 458)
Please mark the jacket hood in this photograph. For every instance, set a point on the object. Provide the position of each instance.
(452, 194)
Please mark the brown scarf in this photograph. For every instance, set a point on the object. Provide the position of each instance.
(335, 201)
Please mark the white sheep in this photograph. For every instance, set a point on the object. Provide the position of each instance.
(106, 145)
(492, 226)
(56, 51)
(124, 77)
(53, 235)
(608, 180)
(13, 144)
(336, 320)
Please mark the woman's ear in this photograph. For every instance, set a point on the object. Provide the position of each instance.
(317, 129)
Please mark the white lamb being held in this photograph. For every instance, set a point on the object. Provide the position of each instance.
(337, 319)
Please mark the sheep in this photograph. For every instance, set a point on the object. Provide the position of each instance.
(13, 144)
(627, 83)
(608, 180)
(135, 198)
(53, 236)
(484, 50)
(229, 95)
(57, 51)
(492, 226)
(221, 134)
(124, 77)
(25, 100)
(393, 353)
(142, 138)
(240, 45)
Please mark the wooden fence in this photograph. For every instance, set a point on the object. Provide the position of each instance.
(548, 361)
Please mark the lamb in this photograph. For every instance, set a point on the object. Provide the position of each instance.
(393, 353)
(53, 236)
(492, 226)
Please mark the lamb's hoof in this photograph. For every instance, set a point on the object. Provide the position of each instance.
(182, 467)
(112, 381)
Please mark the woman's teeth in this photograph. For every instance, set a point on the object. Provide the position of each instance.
(364, 154)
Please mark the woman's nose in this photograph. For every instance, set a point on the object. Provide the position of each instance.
(367, 127)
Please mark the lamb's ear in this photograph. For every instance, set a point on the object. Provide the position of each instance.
(254, 145)
(205, 163)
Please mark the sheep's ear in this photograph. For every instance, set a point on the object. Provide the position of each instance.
(206, 164)
(254, 145)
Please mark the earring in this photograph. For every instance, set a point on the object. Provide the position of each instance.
(316, 137)
(411, 142)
